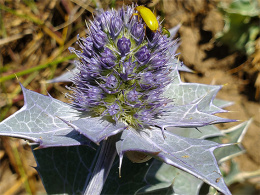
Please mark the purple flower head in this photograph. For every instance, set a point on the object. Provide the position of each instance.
(147, 81)
(108, 59)
(126, 15)
(123, 45)
(122, 72)
(127, 70)
(145, 116)
(104, 20)
(77, 52)
(133, 96)
(116, 26)
(111, 82)
(93, 67)
(99, 39)
(138, 32)
(162, 78)
(158, 41)
(95, 94)
(90, 69)
(152, 96)
(86, 45)
(113, 109)
(158, 60)
(143, 55)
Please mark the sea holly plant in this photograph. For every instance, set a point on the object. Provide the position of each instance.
(127, 102)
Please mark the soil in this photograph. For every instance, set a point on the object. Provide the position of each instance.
(212, 63)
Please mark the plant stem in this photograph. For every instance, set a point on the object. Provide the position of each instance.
(103, 165)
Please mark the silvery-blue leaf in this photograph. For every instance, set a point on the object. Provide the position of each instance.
(233, 135)
(194, 156)
(96, 128)
(160, 188)
(161, 175)
(192, 105)
(187, 116)
(39, 121)
(200, 132)
(180, 66)
(188, 93)
(65, 77)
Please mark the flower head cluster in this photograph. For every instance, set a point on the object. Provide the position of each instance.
(122, 69)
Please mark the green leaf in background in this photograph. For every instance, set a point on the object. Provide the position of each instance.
(160, 177)
(241, 25)
(232, 135)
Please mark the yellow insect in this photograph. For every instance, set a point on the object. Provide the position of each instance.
(148, 17)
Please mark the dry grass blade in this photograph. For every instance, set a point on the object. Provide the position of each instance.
(15, 152)
(256, 66)
(30, 17)
(39, 67)
(84, 5)
(75, 14)
(15, 37)
(2, 153)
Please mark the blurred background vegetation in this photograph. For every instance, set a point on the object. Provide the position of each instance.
(220, 41)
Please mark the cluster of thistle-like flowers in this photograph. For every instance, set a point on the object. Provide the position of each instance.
(122, 69)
